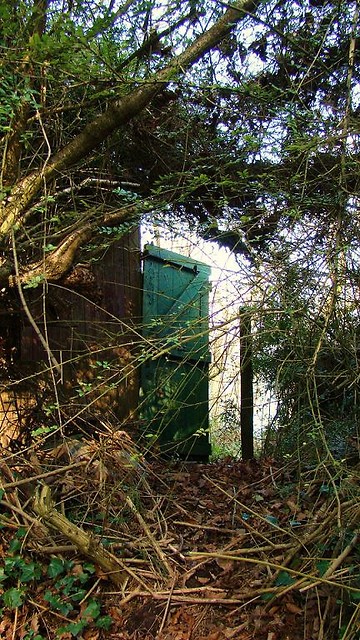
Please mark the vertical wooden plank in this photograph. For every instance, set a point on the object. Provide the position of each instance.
(77, 327)
(246, 387)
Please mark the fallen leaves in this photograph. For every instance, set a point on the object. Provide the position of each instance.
(210, 551)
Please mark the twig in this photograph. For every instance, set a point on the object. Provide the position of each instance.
(90, 591)
(177, 552)
(337, 497)
(198, 554)
(175, 592)
(255, 550)
(28, 313)
(15, 622)
(183, 595)
(192, 525)
(282, 592)
(20, 512)
(348, 633)
(254, 513)
(5, 522)
(70, 548)
(193, 600)
(335, 563)
(167, 606)
(338, 561)
(272, 477)
(151, 538)
(41, 476)
(46, 609)
(307, 539)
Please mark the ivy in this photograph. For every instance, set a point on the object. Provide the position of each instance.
(67, 587)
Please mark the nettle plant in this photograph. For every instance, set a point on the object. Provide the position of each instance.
(67, 584)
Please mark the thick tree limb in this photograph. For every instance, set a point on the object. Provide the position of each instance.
(59, 261)
(86, 543)
(118, 114)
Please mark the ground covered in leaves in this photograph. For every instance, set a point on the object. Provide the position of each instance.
(98, 542)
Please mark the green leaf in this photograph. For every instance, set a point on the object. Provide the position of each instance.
(87, 566)
(84, 576)
(16, 542)
(322, 566)
(57, 603)
(34, 282)
(10, 564)
(295, 523)
(30, 571)
(74, 628)
(55, 568)
(15, 545)
(325, 489)
(78, 595)
(92, 610)
(66, 584)
(284, 579)
(40, 431)
(13, 598)
(104, 622)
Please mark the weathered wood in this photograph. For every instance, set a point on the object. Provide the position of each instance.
(246, 387)
(86, 543)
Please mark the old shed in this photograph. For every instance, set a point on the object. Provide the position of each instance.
(98, 324)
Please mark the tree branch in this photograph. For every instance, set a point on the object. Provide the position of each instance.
(118, 114)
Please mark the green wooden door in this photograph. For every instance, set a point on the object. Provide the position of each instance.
(175, 383)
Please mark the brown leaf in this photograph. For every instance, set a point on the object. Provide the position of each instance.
(273, 610)
(77, 569)
(116, 614)
(292, 506)
(34, 624)
(226, 565)
(293, 608)
(91, 634)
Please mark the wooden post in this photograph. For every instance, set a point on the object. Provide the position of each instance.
(246, 387)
